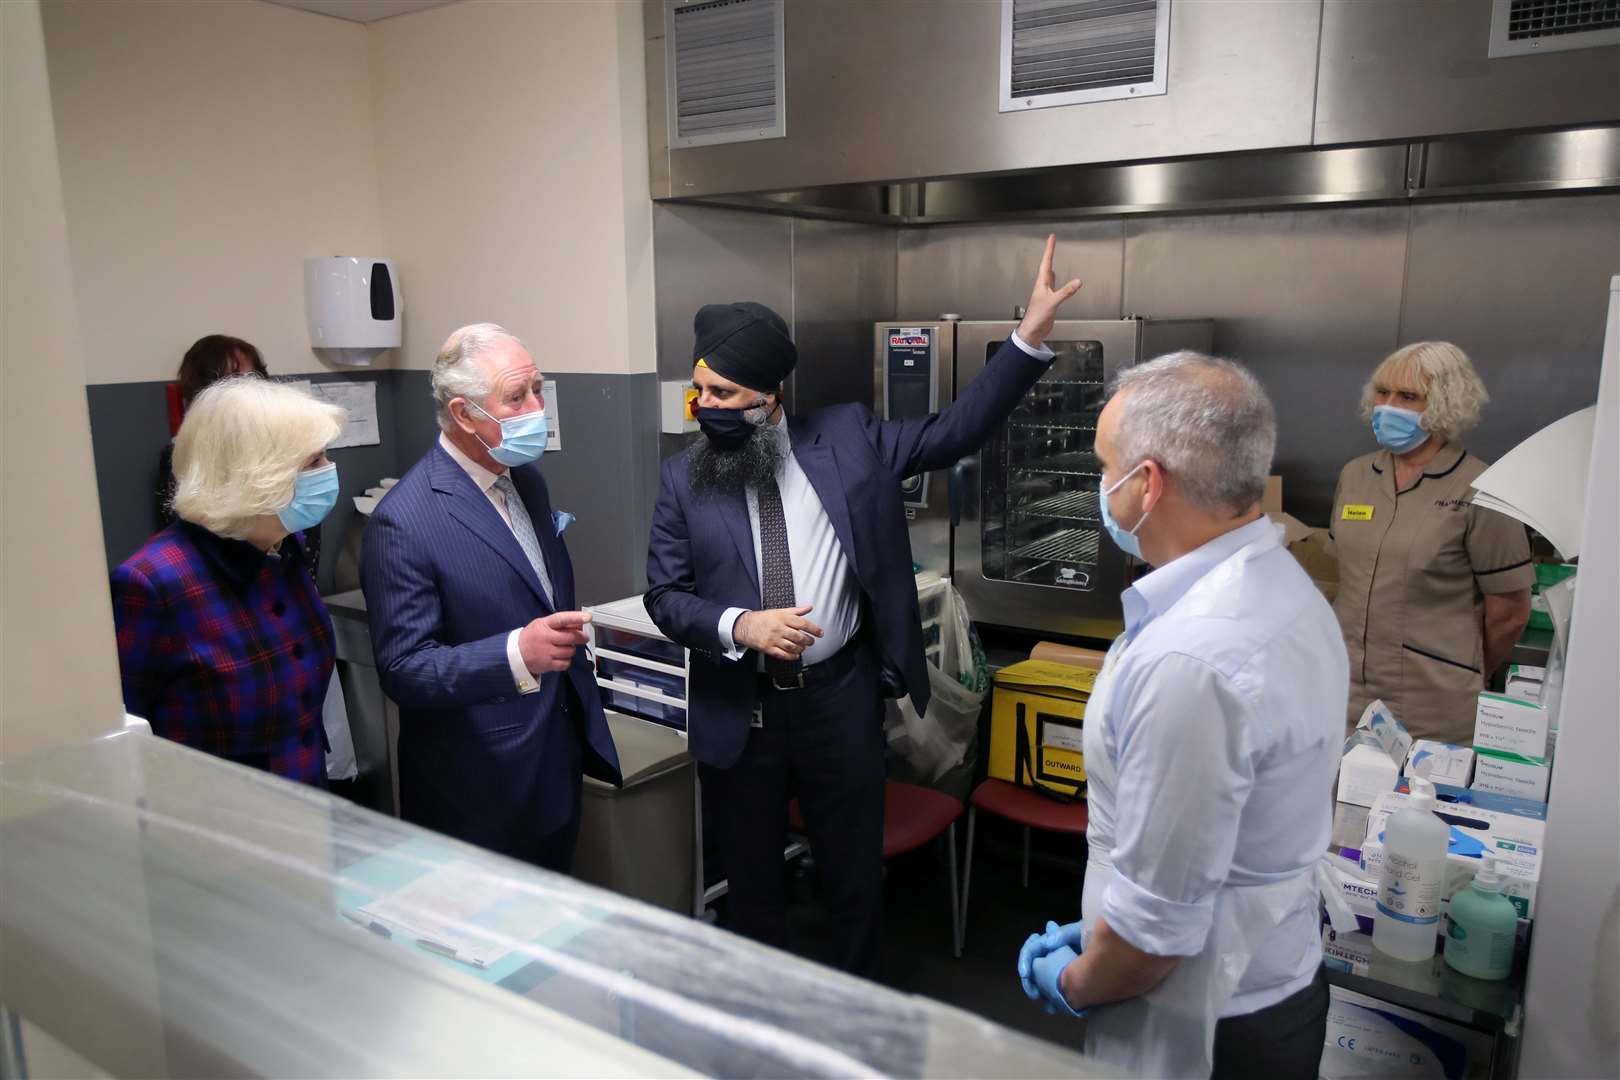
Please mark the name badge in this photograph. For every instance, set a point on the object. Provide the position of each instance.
(1357, 512)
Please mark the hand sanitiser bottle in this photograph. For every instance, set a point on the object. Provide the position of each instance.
(1483, 926)
(1408, 917)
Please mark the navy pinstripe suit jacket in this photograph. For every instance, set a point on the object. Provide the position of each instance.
(445, 583)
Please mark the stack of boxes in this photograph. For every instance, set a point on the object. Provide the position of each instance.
(1513, 738)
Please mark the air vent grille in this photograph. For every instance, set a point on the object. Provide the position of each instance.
(1062, 52)
(725, 71)
(1528, 26)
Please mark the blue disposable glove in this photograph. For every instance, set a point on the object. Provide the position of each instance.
(1045, 955)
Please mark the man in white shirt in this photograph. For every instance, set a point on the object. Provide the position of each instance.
(470, 596)
(780, 557)
(1210, 746)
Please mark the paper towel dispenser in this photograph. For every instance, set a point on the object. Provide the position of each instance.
(353, 306)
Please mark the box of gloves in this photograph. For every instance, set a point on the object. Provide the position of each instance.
(1373, 755)
(1440, 763)
(1515, 839)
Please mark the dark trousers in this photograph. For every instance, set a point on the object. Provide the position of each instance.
(824, 744)
(1280, 1042)
(554, 850)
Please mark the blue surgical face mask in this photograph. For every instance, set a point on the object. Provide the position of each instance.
(315, 492)
(1126, 539)
(523, 437)
(1398, 430)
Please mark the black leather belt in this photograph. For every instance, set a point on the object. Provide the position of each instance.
(835, 666)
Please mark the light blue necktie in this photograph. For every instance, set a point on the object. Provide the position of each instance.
(523, 529)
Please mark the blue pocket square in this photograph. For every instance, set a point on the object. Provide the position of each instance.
(561, 519)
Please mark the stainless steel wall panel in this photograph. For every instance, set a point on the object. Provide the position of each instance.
(843, 282)
(1309, 300)
(1522, 286)
(1397, 69)
(983, 271)
(708, 256)
(897, 89)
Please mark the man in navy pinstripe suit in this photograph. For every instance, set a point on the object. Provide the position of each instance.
(469, 591)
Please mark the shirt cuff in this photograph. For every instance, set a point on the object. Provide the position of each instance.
(527, 682)
(728, 645)
(1152, 923)
(1039, 352)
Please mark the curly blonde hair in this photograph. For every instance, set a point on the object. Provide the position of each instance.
(241, 447)
(1456, 395)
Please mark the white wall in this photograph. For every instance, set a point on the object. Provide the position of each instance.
(1572, 997)
(58, 666)
(206, 149)
(511, 141)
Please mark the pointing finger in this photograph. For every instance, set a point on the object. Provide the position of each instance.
(1045, 277)
(1068, 290)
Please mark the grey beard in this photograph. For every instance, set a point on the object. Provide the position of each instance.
(712, 471)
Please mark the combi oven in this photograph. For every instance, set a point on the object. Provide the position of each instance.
(1017, 525)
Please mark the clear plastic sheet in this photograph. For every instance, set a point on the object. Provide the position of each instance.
(166, 913)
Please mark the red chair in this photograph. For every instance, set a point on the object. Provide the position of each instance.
(1030, 809)
(913, 816)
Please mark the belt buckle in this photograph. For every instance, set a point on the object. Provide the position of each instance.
(794, 681)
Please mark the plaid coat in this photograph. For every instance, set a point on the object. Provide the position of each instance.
(226, 649)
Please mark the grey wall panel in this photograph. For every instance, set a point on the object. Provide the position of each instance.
(1522, 286)
(899, 89)
(708, 256)
(843, 282)
(984, 271)
(1309, 300)
(1394, 69)
(606, 476)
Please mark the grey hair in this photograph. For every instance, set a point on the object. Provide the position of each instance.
(456, 372)
(1206, 421)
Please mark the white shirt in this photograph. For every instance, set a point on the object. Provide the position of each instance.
(1223, 723)
(821, 572)
(525, 680)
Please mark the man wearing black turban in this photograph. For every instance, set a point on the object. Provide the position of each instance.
(765, 521)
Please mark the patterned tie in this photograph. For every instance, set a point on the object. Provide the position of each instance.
(776, 570)
(523, 529)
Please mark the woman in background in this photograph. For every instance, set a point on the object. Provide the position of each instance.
(209, 360)
(1433, 590)
(223, 642)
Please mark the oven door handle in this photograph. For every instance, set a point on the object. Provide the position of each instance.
(954, 489)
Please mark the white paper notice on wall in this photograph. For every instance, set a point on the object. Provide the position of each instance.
(553, 432)
(359, 398)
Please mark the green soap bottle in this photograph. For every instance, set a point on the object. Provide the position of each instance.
(1484, 924)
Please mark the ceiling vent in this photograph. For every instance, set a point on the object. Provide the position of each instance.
(725, 71)
(1520, 27)
(1063, 52)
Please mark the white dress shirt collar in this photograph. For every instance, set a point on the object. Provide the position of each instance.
(1158, 592)
(480, 475)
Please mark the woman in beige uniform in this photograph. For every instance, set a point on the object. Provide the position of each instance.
(1433, 590)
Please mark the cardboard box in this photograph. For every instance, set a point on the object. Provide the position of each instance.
(1510, 725)
(1365, 773)
(1037, 718)
(1512, 774)
(1312, 550)
(1440, 763)
(1366, 1037)
(1271, 501)
(1515, 840)
(1067, 654)
(1525, 682)
(1461, 800)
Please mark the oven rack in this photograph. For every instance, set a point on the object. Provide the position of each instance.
(1069, 505)
(1077, 546)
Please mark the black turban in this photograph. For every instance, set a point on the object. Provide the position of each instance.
(744, 342)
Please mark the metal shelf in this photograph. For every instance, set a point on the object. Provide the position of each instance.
(1085, 420)
(1075, 463)
(1069, 505)
(1077, 546)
